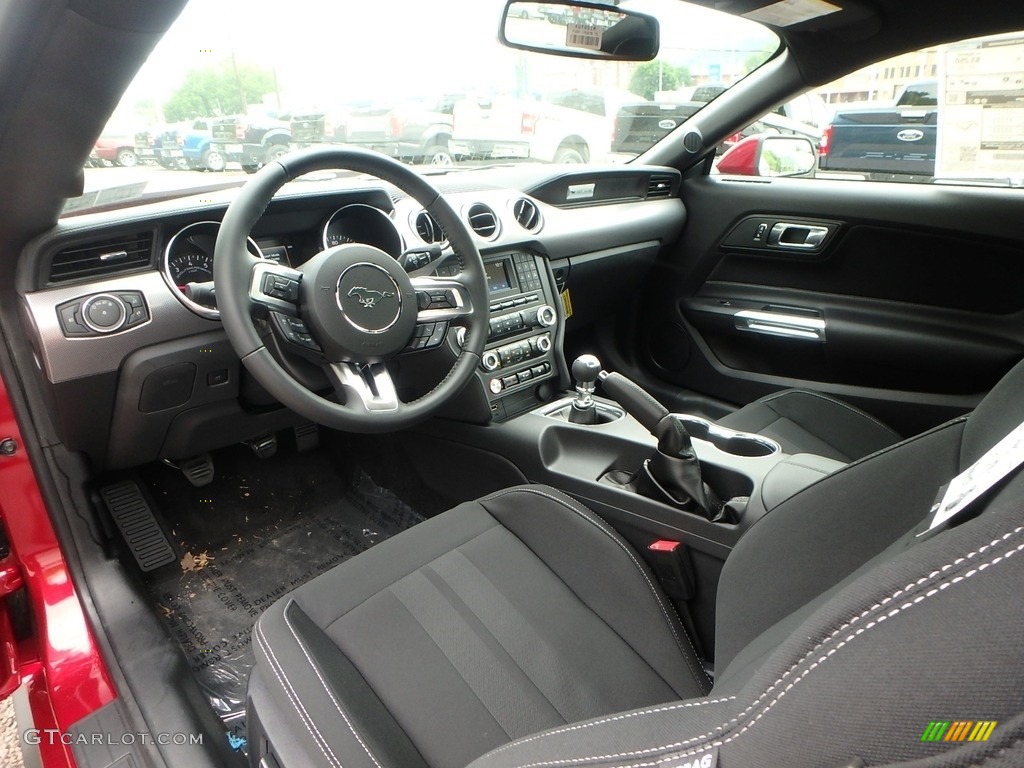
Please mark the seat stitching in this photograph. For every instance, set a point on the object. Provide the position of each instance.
(616, 718)
(593, 521)
(289, 692)
(337, 706)
(819, 662)
(835, 401)
(808, 467)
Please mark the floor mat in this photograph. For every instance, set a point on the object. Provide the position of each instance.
(262, 529)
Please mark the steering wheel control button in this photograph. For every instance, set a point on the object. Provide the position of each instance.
(421, 336)
(294, 331)
(279, 287)
(104, 313)
(369, 297)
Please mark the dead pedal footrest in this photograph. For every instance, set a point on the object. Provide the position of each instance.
(138, 525)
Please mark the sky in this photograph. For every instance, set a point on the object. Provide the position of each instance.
(328, 52)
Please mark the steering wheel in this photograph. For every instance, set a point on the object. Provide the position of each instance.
(350, 308)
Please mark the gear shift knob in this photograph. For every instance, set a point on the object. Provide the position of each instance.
(585, 370)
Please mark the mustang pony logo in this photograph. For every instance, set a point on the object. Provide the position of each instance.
(369, 297)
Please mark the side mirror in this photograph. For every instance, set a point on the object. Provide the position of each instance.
(770, 155)
(582, 30)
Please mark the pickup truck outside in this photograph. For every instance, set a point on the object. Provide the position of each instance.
(639, 125)
(415, 131)
(252, 141)
(896, 142)
(572, 126)
(183, 146)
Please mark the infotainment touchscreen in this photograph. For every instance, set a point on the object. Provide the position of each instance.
(498, 279)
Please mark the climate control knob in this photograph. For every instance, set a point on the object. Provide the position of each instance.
(490, 360)
(546, 316)
(544, 342)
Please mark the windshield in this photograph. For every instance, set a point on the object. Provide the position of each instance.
(235, 84)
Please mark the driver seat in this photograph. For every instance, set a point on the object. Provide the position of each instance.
(521, 631)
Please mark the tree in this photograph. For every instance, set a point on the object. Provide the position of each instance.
(218, 89)
(653, 76)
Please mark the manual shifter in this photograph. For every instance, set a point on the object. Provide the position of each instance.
(673, 473)
(585, 370)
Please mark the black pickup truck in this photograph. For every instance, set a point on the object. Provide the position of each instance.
(892, 143)
(252, 141)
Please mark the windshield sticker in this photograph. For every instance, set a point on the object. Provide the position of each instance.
(981, 119)
(580, 191)
(587, 36)
(789, 12)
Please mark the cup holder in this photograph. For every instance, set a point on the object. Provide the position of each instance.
(728, 440)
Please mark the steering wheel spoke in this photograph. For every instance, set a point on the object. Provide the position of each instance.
(275, 287)
(441, 298)
(366, 387)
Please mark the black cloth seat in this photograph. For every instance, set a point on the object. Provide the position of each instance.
(804, 421)
(520, 612)
(502, 624)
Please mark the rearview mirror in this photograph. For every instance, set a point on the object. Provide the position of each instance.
(582, 30)
(769, 155)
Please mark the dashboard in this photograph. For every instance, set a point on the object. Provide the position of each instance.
(120, 306)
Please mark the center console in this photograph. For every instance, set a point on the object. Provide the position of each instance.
(522, 364)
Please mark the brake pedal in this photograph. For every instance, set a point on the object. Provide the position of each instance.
(198, 470)
(138, 525)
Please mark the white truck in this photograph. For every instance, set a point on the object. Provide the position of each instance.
(572, 126)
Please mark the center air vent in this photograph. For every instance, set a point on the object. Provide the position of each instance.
(659, 186)
(107, 257)
(527, 214)
(428, 229)
(482, 221)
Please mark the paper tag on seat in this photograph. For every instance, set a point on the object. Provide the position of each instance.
(1000, 460)
(706, 759)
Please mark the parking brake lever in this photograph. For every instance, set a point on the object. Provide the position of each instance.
(637, 402)
(673, 474)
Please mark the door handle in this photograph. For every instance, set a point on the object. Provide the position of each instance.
(791, 235)
(778, 324)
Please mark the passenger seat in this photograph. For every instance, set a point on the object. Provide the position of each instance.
(802, 421)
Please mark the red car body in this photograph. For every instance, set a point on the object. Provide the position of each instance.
(60, 664)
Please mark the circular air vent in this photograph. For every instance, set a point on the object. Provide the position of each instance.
(526, 214)
(428, 229)
(483, 221)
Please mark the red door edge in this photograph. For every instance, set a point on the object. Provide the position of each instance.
(61, 666)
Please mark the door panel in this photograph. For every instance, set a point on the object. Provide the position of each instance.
(907, 300)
